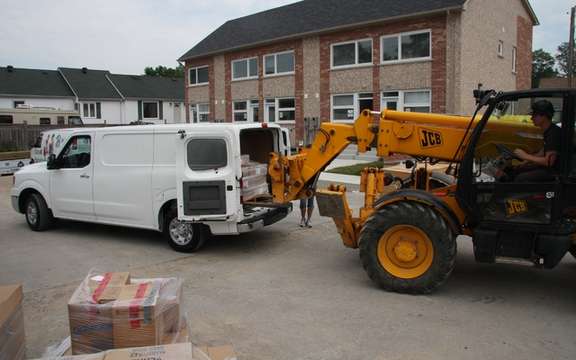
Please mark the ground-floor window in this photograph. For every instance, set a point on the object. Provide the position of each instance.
(91, 110)
(347, 107)
(407, 100)
(199, 112)
(281, 110)
(150, 109)
(245, 110)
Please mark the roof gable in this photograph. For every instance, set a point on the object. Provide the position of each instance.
(307, 17)
(33, 82)
(90, 84)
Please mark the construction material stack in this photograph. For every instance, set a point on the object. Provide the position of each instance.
(111, 311)
(254, 182)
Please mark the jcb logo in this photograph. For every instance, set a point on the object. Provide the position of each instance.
(430, 138)
(516, 207)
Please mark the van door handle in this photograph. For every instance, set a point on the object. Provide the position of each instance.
(85, 176)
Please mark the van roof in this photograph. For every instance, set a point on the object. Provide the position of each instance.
(176, 127)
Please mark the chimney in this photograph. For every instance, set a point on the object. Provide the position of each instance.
(84, 70)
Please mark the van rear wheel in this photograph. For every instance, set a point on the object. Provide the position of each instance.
(184, 236)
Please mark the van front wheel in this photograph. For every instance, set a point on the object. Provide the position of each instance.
(38, 216)
(184, 236)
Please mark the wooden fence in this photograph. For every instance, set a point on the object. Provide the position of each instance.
(20, 137)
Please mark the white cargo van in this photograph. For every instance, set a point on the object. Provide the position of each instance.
(183, 180)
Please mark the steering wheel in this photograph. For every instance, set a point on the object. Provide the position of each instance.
(506, 152)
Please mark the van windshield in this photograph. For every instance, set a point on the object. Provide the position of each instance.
(206, 154)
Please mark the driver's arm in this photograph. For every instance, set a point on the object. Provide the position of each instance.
(547, 159)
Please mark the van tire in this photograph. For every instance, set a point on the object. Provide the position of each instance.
(177, 234)
(38, 216)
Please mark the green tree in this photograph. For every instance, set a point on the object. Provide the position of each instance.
(543, 66)
(562, 59)
(177, 72)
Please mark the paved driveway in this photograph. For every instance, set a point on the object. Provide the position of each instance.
(291, 293)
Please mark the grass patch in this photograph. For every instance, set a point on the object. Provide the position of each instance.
(355, 169)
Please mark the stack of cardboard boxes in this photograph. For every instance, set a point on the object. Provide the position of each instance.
(113, 317)
(254, 182)
(112, 311)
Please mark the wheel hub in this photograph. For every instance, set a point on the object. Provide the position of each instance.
(405, 251)
(32, 213)
(181, 232)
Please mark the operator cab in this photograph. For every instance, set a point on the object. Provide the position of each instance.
(499, 205)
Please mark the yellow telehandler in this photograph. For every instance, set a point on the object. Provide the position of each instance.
(406, 231)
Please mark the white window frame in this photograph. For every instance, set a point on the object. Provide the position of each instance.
(500, 50)
(275, 55)
(356, 64)
(514, 59)
(398, 37)
(277, 110)
(90, 104)
(157, 110)
(339, 107)
(400, 100)
(197, 83)
(248, 111)
(247, 60)
(195, 108)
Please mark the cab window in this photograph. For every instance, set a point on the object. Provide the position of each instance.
(76, 154)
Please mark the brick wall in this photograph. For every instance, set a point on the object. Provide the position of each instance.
(436, 24)
(194, 63)
(524, 53)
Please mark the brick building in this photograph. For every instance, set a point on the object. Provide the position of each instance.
(333, 58)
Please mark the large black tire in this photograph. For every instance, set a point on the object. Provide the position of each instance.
(422, 219)
(184, 236)
(38, 216)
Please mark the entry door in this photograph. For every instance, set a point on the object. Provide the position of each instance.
(270, 112)
(207, 166)
(176, 113)
(71, 183)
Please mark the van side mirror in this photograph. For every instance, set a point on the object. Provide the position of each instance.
(51, 163)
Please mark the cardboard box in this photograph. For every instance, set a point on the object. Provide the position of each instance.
(160, 352)
(225, 352)
(147, 314)
(90, 312)
(12, 341)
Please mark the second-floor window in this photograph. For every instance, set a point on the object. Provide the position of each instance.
(198, 75)
(406, 47)
(352, 53)
(280, 63)
(245, 69)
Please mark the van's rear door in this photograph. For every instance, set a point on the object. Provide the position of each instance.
(206, 173)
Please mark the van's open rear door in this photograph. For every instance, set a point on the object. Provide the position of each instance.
(206, 175)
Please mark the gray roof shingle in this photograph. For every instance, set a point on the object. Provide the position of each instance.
(307, 17)
(90, 84)
(33, 82)
(149, 87)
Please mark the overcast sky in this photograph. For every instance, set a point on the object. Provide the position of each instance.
(124, 36)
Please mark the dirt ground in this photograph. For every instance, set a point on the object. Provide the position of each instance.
(290, 293)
